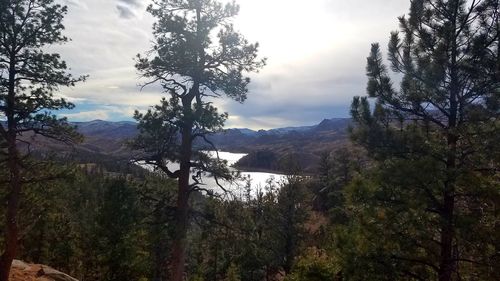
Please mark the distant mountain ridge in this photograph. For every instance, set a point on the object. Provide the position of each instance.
(128, 129)
(121, 129)
(265, 148)
(278, 131)
(325, 125)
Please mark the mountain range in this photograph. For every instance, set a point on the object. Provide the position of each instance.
(265, 148)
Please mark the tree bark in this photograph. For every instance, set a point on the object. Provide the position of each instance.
(11, 231)
(178, 257)
(11, 228)
(447, 263)
(446, 266)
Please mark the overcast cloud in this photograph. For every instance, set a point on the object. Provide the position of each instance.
(316, 52)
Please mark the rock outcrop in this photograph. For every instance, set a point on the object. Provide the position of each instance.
(21, 271)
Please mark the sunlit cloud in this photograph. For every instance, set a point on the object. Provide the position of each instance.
(128, 9)
(106, 112)
(88, 115)
(316, 54)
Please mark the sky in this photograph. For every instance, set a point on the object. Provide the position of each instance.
(316, 55)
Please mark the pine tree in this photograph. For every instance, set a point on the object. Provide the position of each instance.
(292, 212)
(28, 78)
(429, 139)
(192, 65)
(121, 251)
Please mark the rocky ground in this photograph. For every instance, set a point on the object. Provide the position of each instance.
(21, 271)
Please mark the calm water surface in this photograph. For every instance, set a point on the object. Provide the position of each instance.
(258, 180)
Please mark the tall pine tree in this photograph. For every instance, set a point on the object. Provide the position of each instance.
(29, 75)
(435, 140)
(196, 55)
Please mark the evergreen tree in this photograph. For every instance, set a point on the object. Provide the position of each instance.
(292, 213)
(94, 227)
(192, 66)
(119, 239)
(28, 78)
(337, 169)
(429, 140)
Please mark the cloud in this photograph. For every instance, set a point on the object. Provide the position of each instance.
(75, 4)
(128, 9)
(89, 111)
(133, 3)
(87, 115)
(125, 11)
(316, 57)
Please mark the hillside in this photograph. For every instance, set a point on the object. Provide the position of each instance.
(307, 143)
(266, 148)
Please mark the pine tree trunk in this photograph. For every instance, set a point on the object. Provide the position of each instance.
(178, 258)
(447, 263)
(11, 229)
(446, 266)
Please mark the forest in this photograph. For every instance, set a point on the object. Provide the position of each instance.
(411, 192)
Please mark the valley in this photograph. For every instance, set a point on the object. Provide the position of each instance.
(263, 148)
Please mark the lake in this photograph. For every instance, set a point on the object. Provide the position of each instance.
(258, 180)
